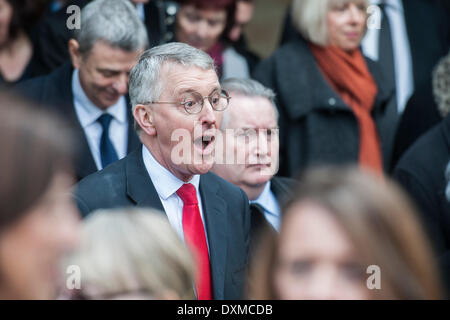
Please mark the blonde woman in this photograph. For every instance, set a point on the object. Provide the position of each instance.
(132, 254)
(331, 99)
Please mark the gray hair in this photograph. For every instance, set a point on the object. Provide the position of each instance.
(249, 88)
(309, 17)
(145, 79)
(441, 85)
(115, 22)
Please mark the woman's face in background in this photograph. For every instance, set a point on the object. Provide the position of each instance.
(32, 248)
(346, 24)
(200, 28)
(6, 13)
(316, 259)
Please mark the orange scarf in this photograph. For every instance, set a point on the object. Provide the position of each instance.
(349, 76)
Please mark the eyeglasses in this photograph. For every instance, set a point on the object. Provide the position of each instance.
(193, 101)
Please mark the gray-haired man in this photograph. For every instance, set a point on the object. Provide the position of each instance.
(91, 93)
(250, 151)
(177, 104)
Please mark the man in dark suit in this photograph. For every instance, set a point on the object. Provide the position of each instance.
(91, 94)
(413, 36)
(50, 44)
(250, 159)
(177, 105)
(424, 172)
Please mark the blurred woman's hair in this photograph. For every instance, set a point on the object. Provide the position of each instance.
(309, 18)
(228, 5)
(379, 220)
(26, 14)
(132, 252)
(34, 147)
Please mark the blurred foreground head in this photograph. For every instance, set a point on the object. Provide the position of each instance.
(132, 254)
(38, 221)
(346, 234)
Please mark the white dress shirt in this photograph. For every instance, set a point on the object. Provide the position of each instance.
(140, 11)
(269, 202)
(404, 80)
(88, 114)
(166, 185)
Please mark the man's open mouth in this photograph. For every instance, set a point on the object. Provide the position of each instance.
(204, 142)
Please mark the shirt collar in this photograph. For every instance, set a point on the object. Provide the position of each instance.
(140, 11)
(157, 173)
(267, 200)
(88, 111)
(394, 4)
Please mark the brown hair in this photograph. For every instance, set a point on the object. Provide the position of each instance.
(379, 220)
(25, 15)
(34, 147)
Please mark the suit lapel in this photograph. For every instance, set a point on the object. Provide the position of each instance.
(140, 187)
(214, 210)
(62, 89)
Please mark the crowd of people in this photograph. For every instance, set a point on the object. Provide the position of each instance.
(150, 154)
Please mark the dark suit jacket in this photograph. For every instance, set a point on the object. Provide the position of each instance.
(316, 125)
(281, 188)
(428, 31)
(54, 91)
(126, 183)
(420, 115)
(421, 171)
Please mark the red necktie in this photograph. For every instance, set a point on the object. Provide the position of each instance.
(194, 234)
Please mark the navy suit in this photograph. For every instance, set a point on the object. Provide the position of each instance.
(54, 91)
(127, 183)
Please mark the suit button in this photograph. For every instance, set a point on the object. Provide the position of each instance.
(170, 20)
(171, 9)
(332, 101)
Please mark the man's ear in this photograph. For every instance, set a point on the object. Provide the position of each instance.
(75, 55)
(144, 118)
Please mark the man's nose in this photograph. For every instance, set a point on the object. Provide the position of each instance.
(260, 144)
(208, 114)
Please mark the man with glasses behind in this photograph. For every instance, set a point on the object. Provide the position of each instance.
(177, 105)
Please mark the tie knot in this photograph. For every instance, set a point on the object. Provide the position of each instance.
(383, 5)
(105, 120)
(188, 194)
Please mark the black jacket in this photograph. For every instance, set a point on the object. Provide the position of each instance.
(281, 188)
(316, 125)
(54, 91)
(421, 171)
(126, 183)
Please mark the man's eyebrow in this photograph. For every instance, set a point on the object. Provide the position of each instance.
(217, 88)
(107, 70)
(190, 90)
